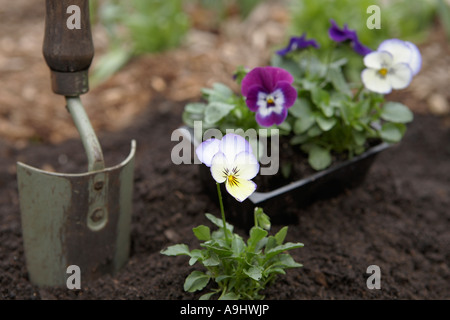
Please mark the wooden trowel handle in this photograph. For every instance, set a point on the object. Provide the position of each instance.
(68, 48)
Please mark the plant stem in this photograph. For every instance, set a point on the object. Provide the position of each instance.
(222, 211)
(355, 98)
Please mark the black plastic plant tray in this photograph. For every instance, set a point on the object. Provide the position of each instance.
(280, 202)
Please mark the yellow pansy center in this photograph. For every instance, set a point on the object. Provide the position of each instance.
(383, 72)
(231, 176)
(233, 181)
(270, 101)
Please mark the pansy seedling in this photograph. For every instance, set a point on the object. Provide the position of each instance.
(232, 162)
(241, 269)
(392, 66)
(269, 93)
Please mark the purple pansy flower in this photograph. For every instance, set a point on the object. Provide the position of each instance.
(269, 93)
(297, 43)
(339, 35)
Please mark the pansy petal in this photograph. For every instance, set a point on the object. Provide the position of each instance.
(289, 93)
(233, 144)
(258, 76)
(400, 76)
(339, 35)
(416, 59)
(206, 151)
(241, 189)
(279, 74)
(400, 51)
(219, 167)
(378, 59)
(298, 43)
(374, 82)
(247, 165)
(266, 77)
(251, 79)
(359, 48)
(253, 97)
(268, 119)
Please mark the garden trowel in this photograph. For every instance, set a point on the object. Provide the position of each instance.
(74, 222)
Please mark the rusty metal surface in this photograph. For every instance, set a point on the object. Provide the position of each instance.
(62, 226)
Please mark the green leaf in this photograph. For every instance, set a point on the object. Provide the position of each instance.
(396, 112)
(339, 63)
(314, 131)
(304, 114)
(271, 243)
(254, 272)
(109, 64)
(198, 108)
(362, 108)
(222, 277)
(223, 90)
(202, 233)
(256, 235)
(319, 158)
(212, 261)
(218, 222)
(285, 126)
(320, 97)
(287, 64)
(215, 111)
(218, 93)
(190, 118)
(299, 139)
(277, 270)
(303, 124)
(287, 261)
(176, 250)
(219, 247)
(237, 245)
(281, 235)
(197, 280)
(229, 296)
(326, 123)
(392, 132)
(279, 249)
(195, 255)
(337, 78)
(207, 296)
(359, 138)
(301, 108)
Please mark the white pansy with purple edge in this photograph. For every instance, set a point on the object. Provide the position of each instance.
(231, 161)
(269, 93)
(392, 66)
(403, 52)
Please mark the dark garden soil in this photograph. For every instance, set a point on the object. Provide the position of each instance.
(398, 219)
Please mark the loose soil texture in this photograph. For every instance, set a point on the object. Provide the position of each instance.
(397, 219)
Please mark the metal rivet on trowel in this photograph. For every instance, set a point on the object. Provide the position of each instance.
(97, 219)
(74, 219)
